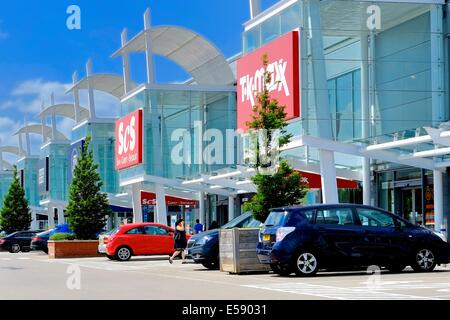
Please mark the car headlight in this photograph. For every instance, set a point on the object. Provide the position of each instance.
(203, 240)
(440, 235)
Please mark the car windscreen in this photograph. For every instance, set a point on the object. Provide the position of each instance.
(45, 233)
(276, 218)
(236, 222)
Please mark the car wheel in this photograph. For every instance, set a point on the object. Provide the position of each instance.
(212, 265)
(396, 268)
(110, 257)
(15, 248)
(424, 261)
(123, 254)
(306, 264)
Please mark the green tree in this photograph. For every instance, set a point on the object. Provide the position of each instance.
(15, 214)
(88, 206)
(283, 186)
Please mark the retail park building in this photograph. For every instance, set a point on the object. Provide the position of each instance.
(366, 89)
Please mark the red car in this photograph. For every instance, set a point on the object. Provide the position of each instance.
(138, 239)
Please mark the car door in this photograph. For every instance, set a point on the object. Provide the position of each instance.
(162, 242)
(23, 239)
(380, 235)
(338, 236)
(135, 239)
(152, 243)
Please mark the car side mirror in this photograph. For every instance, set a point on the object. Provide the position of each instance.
(170, 234)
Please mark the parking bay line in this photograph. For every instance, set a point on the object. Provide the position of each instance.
(338, 293)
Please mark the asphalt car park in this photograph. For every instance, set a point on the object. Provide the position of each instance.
(154, 278)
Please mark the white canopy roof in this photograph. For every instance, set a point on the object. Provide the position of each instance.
(40, 129)
(64, 110)
(13, 150)
(195, 54)
(108, 83)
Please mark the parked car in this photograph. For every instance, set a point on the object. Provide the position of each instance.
(18, 241)
(306, 239)
(61, 228)
(204, 247)
(40, 241)
(138, 239)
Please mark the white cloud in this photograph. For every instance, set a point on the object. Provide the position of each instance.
(8, 127)
(27, 97)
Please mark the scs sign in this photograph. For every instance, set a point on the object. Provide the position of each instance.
(283, 55)
(129, 140)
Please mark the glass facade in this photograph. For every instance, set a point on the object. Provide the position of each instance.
(56, 171)
(400, 66)
(103, 147)
(6, 178)
(182, 127)
(28, 174)
(272, 28)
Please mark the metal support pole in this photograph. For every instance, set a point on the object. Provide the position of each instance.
(231, 208)
(21, 145)
(161, 207)
(437, 66)
(51, 217)
(76, 98)
(52, 101)
(255, 8)
(438, 200)
(201, 208)
(125, 62)
(90, 90)
(27, 137)
(137, 204)
(61, 219)
(365, 114)
(148, 46)
(328, 177)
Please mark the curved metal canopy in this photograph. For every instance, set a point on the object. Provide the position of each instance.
(7, 165)
(64, 110)
(13, 150)
(40, 129)
(108, 83)
(203, 61)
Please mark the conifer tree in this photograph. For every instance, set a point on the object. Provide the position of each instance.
(88, 205)
(283, 186)
(15, 214)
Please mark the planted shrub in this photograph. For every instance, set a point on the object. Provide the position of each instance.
(62, 237)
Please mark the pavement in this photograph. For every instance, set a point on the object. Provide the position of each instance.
(32, 276)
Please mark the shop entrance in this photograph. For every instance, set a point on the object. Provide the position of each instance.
(411, 204)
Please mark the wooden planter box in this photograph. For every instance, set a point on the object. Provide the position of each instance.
(73, 249)
(237, 251)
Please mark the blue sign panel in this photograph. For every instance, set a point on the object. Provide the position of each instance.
(74, 153)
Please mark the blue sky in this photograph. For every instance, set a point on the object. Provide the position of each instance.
(38, 53)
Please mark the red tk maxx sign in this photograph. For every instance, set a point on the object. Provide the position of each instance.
(283, 55)
(129, 140)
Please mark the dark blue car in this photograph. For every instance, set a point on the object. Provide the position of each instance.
(345, 236)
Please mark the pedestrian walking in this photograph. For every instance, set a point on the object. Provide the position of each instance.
(213, 225)
(198, 227)
(180, 241)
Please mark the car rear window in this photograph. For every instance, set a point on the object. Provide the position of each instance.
(277, 218)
